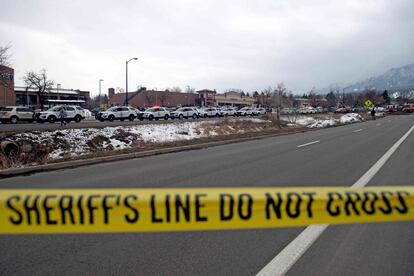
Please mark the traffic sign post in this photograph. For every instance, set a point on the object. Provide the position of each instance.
(368, 104)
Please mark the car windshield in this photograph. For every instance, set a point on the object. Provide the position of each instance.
(113, 108)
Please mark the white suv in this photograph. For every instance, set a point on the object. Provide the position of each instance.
(228, 111)
(156, 113)
(73, 113)
(184, 112)
(13, 114)
(259, 111)
(245, 111)
(118, 113)
(209, 112)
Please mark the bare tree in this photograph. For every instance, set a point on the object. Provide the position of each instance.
(163, 97)
(40, 82)
(331, 98)
(277, 97)
(148, 98)
(189, 89)
(278, 94)
(5, 56)
(5, 61)
(175, 89)
(268, 91)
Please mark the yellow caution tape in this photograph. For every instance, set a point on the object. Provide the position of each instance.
(188, 209)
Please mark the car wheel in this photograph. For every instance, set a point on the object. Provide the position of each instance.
(52, 119)
(131, 117)
(194, 116)
(151, 117)
(111, 118)
(14, 120)
(166, 117)
(181, 116)
(205, 116)
(78, 118)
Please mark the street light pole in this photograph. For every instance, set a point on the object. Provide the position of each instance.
(100, 80)
(126, 79)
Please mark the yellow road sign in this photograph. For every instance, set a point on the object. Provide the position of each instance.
(368, 104)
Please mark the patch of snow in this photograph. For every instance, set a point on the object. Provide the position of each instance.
(323, 123)
(56, 154)
(345, 119)
(73, 142)
(306, 121)
(350, 118)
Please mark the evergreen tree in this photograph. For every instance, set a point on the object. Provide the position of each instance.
(386, 97)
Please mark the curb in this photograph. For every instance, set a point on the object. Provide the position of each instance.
(118, 157)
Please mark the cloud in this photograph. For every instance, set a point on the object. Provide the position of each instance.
(208, 44)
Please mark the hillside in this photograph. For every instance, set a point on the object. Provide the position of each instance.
(393, 79)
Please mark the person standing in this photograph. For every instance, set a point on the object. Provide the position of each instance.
(373, 113)
(62, 116)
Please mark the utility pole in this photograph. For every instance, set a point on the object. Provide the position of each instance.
(100, 102)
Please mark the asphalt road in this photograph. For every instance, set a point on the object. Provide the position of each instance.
(340, 158)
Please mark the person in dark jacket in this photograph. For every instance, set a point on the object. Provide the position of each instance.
(373, 113)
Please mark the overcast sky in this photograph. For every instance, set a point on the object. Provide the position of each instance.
(208, 44)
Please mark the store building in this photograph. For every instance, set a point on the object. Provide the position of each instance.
(206, 97)
(232, 98)
(54, 96)
(149, 98)
(7, 96)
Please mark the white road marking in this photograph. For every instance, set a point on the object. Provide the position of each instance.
(378, 124)
(307, 144)
(286, 258)
(357, 130)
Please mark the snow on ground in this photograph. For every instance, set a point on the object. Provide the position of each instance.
(316, 123)
(74, 142)
(67, 143)
(350, 118)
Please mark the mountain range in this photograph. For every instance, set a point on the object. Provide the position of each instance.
(392, 80)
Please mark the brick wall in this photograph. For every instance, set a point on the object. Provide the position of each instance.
(151, 98)
(7, 96)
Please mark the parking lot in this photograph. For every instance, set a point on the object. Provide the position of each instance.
(127, 116)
